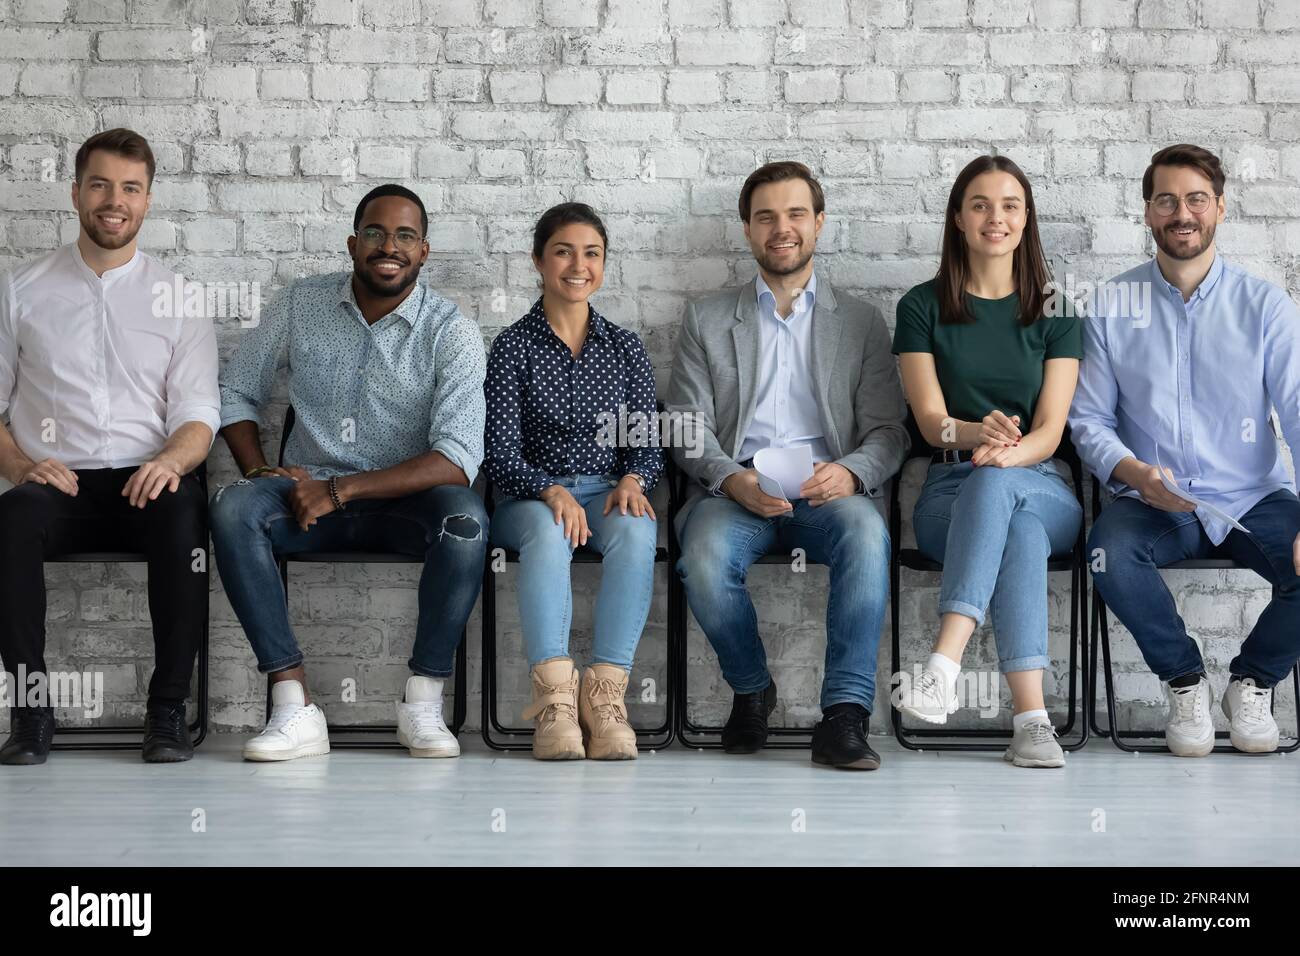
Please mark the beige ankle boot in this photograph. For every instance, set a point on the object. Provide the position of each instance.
(557, 735)
(603, 715)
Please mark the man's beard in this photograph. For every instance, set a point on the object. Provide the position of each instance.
(1164, 245)
(771, 269)
(388, 288)
(106, 240)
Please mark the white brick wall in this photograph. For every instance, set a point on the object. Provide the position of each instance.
(271, 118)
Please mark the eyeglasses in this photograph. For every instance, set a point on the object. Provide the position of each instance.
(405, 239)
(1167, 204)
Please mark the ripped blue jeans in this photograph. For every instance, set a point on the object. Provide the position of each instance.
(253, 524)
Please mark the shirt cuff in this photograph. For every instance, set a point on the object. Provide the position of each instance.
(203, 414)
(1110, 457)
(459, 456)
(239, 412)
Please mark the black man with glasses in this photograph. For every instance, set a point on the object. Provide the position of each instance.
(1184, 357)
(386, 380)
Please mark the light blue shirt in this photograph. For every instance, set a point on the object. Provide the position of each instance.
(785, 413)
(366, 396)
(1194, 381)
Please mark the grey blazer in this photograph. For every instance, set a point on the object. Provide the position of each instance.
(859, 395)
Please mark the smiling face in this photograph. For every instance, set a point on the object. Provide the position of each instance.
(388, 266)
(783, 228)
(992, 214)
(112, 198)
(572, 265)
(1182, 232)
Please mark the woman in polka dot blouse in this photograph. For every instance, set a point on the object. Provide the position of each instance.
(563, 383)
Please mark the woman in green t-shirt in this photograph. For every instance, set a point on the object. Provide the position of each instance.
(989, 362)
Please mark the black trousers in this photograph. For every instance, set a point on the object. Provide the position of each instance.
(39, 522)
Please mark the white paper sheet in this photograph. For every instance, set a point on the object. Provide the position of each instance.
(782, 471)
(1188, 496)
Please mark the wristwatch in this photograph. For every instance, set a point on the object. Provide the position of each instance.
(638, 479)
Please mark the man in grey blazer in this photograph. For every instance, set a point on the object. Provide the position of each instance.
(784, 361)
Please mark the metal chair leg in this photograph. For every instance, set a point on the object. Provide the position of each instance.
(1120, 737)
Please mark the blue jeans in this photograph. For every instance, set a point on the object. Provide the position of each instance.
(545, 595)
(720, 540)
(253, 524)
(1135, 539)
(993, 530)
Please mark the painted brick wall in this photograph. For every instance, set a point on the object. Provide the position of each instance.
(270, 118)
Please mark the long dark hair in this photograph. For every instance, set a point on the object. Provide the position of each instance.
(1029, 266)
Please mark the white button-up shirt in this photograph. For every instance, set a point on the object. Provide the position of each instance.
(786, 411)
(89, 374)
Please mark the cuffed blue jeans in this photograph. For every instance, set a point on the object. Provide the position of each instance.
(1134, 539)
(253, 524)
(627, 544)
(993, 530)
(720, 539)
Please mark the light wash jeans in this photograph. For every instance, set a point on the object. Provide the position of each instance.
(545, 594)
(993, 529)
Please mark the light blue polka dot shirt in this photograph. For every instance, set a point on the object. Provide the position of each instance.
(366, 396)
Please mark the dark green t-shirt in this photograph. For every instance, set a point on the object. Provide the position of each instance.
(991, 363)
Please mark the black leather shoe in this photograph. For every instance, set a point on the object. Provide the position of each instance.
(840, 738)
(166, 733)
(31, 733)
(746, 729)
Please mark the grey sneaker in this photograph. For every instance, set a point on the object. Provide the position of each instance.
(1034, 745)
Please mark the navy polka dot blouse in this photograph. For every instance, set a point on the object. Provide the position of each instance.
(551, 415)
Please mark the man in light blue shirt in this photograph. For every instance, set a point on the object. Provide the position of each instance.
(386, 382)
(1184, 357)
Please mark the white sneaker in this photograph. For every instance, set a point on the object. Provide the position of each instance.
(929, 699)
(1249, 708)
(420, 727)
(1190, 731)
(296, 728)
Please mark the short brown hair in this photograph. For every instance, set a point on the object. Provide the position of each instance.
(1185, 154)
(775, 173)
(123, 142)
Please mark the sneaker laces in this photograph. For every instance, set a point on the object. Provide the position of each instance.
(554, 709)
(1186, 700)
(930, 689)
(285, 717)
(1040, 732)
(606, 701)
(1255, 702)
(425, 716)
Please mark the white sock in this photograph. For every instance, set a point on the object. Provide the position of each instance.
(1019, 720)
(946, 668)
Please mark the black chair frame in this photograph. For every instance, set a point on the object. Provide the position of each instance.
(974, 739)
(199, 726)
(1100, 639)
(364, 557)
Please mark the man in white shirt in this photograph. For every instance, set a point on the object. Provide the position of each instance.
(108, 404)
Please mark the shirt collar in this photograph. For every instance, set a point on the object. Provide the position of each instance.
(1202, 291)
(804, 302)
(408, 310)
(535, 322)
(110, 274)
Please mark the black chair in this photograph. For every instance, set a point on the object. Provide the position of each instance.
(704, 736)
(972, 739)
(199, 726)
(520, 738)
(1100, 636)
(364, 557)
